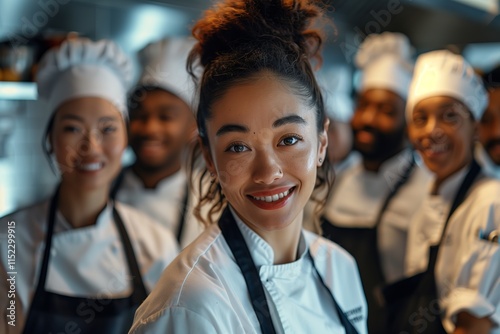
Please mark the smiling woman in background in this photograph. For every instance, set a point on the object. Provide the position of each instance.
(83, 262)
(262, 129)
(453, 257)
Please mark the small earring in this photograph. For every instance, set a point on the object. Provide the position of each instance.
(212, 175)
(320, 160)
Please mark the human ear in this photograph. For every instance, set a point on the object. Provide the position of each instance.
(207, 156)
(323, 142)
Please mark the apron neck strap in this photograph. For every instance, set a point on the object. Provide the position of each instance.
(396, 187)
(182, 216)
(139, 290)
(472, 173)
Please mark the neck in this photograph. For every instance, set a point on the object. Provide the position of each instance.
(150, 178)
(81, 208)
(284, 242)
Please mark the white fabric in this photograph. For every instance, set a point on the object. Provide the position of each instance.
(82, 68)
(88, 261)
(336, 85)
(442, 73)
(358, 196)
(164, 66)
(488, 166)
(385, 62)
(203, 290)
(467, 268)
(164, 203)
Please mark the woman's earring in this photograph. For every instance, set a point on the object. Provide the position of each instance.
(212, 177)
(320, 160)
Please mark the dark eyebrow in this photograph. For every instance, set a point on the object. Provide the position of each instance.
(231, 128)
(294, 119)
(108, 119)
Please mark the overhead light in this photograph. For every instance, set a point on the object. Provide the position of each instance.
(18, 90)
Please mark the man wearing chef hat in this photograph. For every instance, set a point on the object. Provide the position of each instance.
(372, 202)
(161, 127)
(84, 263)
(488, 148)
(453, 255)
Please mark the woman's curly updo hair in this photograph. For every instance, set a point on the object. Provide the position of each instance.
(238, 39)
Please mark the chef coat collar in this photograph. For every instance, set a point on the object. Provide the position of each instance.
(488, 166)
(106, 215)
(262, 253)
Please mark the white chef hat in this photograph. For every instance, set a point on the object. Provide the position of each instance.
(83, 68)
(336, 85)
(385, 62)
(442, 73)
(164, 66)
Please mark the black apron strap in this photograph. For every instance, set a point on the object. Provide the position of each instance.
(243, 258)
(139, 293)
(182, 217)
(395, 188)
(348, 326)
(471, 175)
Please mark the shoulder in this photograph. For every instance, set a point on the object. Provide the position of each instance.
(193, 280)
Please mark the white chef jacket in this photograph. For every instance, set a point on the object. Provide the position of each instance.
(164, 203)
(468, 268)
(204, 291)
(488, 166)
(88, 261)
(358, 196)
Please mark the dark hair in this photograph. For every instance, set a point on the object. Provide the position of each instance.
(238, 39)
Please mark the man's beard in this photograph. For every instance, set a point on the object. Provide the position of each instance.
(384, 145)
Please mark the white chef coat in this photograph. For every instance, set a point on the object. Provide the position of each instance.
(488, 166)
(88, 261)
(164, 203)
(467, 269)
(203, 290)
(358, 196)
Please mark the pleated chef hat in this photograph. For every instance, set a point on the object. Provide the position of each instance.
(442, 73)
(385, 62)
(83, 68)
(164, 66)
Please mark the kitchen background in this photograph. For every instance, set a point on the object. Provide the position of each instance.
(28, 27)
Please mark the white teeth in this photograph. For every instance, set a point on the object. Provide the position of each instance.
(272, 198)
(91, 167)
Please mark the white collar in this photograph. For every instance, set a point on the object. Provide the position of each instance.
(489, 167)
(449, 188)
(262, 253)
(61, 224)
(174, 181)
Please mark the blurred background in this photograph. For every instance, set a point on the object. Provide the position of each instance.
(29, 27)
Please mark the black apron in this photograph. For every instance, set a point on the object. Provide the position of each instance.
(362, 244)
(182, 217)
(240, 251)
(54, 313)
(413, 302)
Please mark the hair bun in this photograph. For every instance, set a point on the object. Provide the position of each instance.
(239, 24)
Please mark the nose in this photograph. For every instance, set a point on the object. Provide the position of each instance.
(91, 144)
(266, 168)
(368, 116)
(150, 125)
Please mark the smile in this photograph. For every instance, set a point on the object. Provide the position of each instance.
(272, 201)
(273, 198)
(91, 167)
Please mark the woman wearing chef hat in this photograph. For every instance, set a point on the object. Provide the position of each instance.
(83, 263)
(160, 130)
(453, 255)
